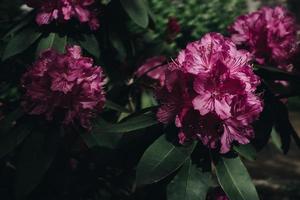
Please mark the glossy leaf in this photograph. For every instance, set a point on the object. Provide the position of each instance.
(234, 179)
(191, 183)
(90, 44)
(20, 42)
(247, 151)
(160, 160)
(52, 41)
(36, 155)
(137, 11)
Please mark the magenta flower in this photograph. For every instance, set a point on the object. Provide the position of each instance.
(269, 34)
(153, 68)
(64, 84)
(217, 194)
(64, 10)
(209, 93)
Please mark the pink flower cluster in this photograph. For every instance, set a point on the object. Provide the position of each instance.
(64, 10)
(209, 92)
(65, 85)
(269, 34)
(153, 68)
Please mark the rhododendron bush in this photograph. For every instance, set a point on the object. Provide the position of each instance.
(120, 100)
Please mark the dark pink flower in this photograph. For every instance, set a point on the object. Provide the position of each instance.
(153, 68)
(269, 34)
(217, 194)
(64, 84)
(64, 10)
(209, 93)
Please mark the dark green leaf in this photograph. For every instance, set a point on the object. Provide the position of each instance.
(9, 141)
(116, 107)
(105, 134)
(20, 42)
(137, 11)
(160, 160)
(234, 179)
(7, 123)
(247, 151)
(134, 123)
(52, 41)
(34, 159)
(191, 183)
(118, 44)
(90, 44)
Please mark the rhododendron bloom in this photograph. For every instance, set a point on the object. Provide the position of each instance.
(217, 194)
(269, 34)
(64, 10)
(153, 68)
(209, 93)
(67, 85)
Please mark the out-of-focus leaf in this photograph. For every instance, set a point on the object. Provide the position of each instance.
(274, 73)
(147, 100)
(21, 24)
(116, 107)
(247, 151)
(191, 183)
(90, 44)
(160, 160)
(9, 141)
(283, 126)
(137, 11)
(20, 42)
(36, 155)
(234, 179)
(118, 44)
(52, 41)
(276, 140)
(7, 123)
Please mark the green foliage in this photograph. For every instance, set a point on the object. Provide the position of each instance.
(234, 179)
(160, 160)
(190, 183)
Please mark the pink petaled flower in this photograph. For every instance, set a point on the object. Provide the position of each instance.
(153, 68)
(209, 93)
(63, 10)
(269, 34)
(64, 84)
(217, 194)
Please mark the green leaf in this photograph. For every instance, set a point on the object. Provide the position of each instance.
(189, 184)
(90, 44)
(160, 160)
(275, 138)
(118, 44)
(10, 141)
(52, 41)
(137, 11)
(7, 123)
(234, 179)
(131, 123)
(116, 107)
(36, 155)
(105, 134)
(20, 42)
(247, 151)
